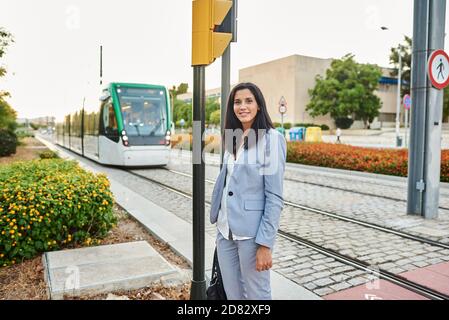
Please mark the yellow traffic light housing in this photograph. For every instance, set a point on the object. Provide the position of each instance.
(207, 45)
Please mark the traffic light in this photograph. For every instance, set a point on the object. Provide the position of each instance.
(207, 43)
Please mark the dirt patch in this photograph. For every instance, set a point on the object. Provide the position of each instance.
(129, 230)
(29, 149)
(25, 281)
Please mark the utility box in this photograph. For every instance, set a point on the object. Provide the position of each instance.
(297, 134)
(314, 134)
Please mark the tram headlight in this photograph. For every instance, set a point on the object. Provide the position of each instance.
(125, 141)
(168, 138)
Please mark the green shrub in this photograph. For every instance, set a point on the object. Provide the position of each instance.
(8, 143)
(48, 154)
(49, 204)
(323, 127)
(24, 133)
(344, 123)
(287, 125)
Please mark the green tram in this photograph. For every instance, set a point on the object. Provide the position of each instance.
(131, 127)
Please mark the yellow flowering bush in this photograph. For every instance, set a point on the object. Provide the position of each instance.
(49, 204)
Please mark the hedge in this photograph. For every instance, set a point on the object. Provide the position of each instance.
(48, 205)
(8, 143)
(382, 161)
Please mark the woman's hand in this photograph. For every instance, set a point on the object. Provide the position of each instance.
(263, 259)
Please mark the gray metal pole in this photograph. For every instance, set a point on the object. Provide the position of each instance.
(418, 110)
(198, 288)
(434, 116)
(225, 90)
(406, 128)
(101, 66)
(398, 99)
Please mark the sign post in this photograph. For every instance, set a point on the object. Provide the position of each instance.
(407, 106)
(430, 74)
(282, 109)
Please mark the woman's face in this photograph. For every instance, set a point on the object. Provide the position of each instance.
(245, 107)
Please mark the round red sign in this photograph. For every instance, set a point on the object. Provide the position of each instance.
(438, 69)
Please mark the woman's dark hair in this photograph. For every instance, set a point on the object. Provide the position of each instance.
(262, 120)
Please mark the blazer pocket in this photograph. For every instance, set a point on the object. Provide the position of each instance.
(254, 205)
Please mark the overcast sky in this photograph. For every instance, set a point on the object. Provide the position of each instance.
(55, 56)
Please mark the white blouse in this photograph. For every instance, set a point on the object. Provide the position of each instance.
(222, 222)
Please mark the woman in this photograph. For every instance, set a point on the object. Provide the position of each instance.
(247, 198)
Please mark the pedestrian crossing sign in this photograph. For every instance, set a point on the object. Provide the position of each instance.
(438, 69)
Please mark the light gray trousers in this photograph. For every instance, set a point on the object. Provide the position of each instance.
(237, 261)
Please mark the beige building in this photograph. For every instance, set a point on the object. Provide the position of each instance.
(292, 77)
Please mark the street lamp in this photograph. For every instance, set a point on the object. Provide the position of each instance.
(398, 101)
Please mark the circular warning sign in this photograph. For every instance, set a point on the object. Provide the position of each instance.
(282, 106)
(438, 69)
(407, 102)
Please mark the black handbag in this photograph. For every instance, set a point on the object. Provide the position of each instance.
(216, 291)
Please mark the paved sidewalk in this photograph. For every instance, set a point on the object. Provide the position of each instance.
(177, 233)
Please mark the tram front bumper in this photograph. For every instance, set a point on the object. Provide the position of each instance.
(156, 156)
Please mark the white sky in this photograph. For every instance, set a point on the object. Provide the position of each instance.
(56, 51)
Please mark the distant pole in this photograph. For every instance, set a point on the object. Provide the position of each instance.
(406, 128)
(398, 101)
(101, 65)
(225, 90)
(198, 287)
(426, 114)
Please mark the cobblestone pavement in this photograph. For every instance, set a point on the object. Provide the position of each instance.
(384, 212)
(386, 251)
(370, 186)
(302, 265)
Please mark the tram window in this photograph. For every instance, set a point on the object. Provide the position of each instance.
(143, 112)
(109, 122)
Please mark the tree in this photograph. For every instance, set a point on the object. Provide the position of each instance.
(183, 110)
(215, 117)
(182, 88)
(5, 40)
(406, 54)
(7, 113)
(212, 105)
(347, 91)
(446, 104)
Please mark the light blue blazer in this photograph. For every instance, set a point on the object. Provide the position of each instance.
(254, 200)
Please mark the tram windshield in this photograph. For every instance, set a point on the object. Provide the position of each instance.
(144, 111)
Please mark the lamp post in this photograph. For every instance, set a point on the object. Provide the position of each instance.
(398, 98)
(398, 105)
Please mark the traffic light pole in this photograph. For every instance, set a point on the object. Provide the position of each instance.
(426, 118)
(198, 288)
(225, 90)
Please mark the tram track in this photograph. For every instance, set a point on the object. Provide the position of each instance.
(352, 191)
(346, 219)
(369, 194)
(358, 264)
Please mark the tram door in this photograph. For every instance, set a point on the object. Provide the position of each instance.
(108, 142)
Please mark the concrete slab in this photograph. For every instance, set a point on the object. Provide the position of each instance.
(94, 270)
